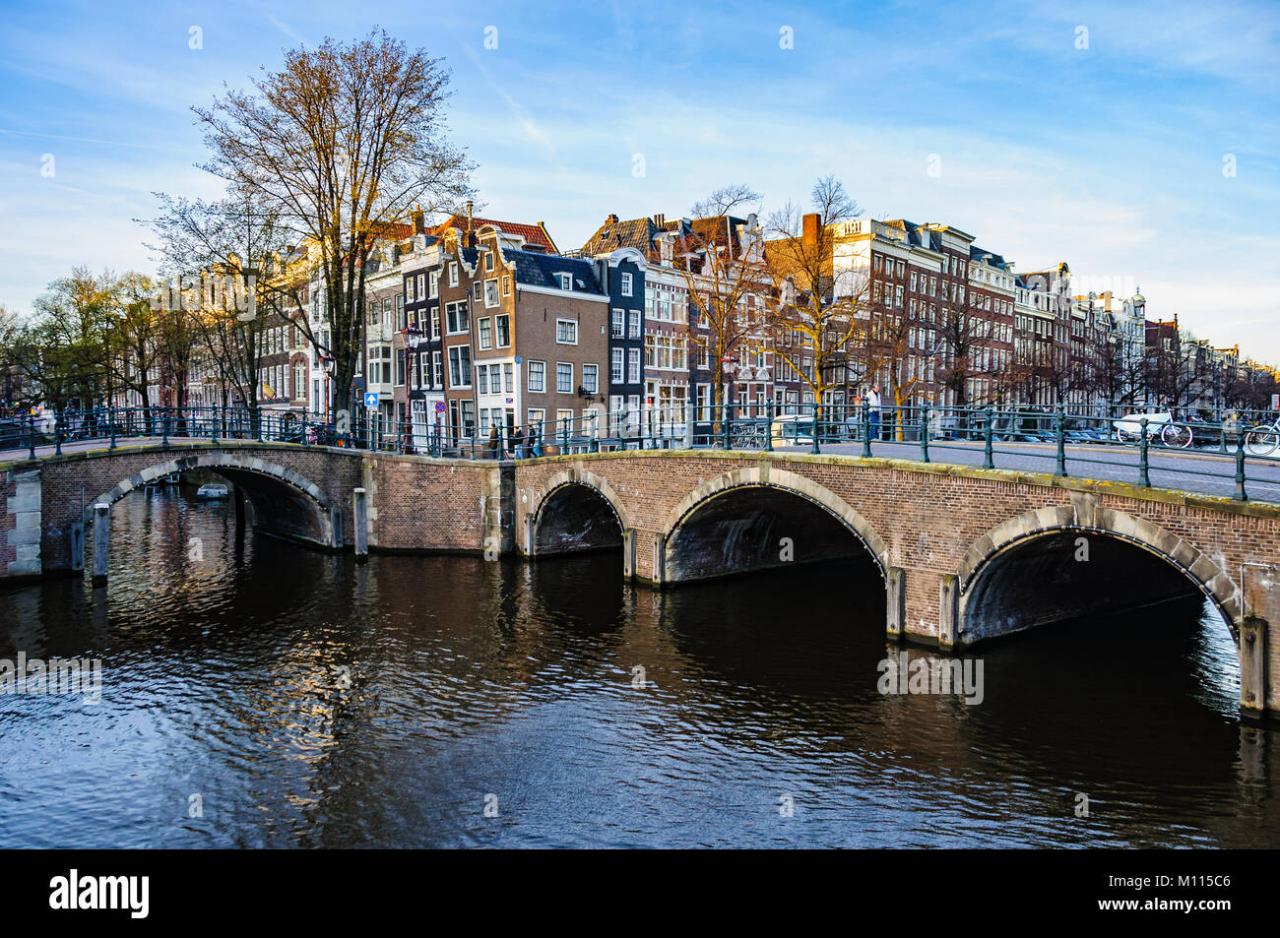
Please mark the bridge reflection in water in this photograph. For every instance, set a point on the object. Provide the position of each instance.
(226, 676)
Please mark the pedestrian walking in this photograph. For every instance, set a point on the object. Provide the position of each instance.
(873, 405)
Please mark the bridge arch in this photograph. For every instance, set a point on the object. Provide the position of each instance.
(824, 510)
(285, 502)
(576, 510)
(1145, 563)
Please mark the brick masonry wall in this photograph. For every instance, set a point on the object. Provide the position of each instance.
(437, 505)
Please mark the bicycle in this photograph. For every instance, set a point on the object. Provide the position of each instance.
(1263, 440)
(1176, 435)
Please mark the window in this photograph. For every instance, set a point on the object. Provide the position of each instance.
(508, 377)
(633, 319)
(616, 366)
(503, 326)
(453, 274)
(626, 284)
(456, 317)
(483, 327)
(617, 324)
(491, 292)
(537, 417)
(482, 379)
(460, 366)
(419, 293)
(633, 366)
(537, 376)
(401, 322)
(433, 284)
(408, 288)
(435, 323)
(488, 260)
(506, 285)
(566, 332)
(437, 370)
(566, 281)
(564, 377)
(591, 378)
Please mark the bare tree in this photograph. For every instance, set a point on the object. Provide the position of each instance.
(721, 263)
(343, 143)
(208, 243)
(812, 314)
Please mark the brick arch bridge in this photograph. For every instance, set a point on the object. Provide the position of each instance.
(966, 554)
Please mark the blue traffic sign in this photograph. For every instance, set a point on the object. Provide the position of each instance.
(371, 400)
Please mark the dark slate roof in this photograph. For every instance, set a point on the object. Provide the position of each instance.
(539, 270)
(997, 260)
(918, 236)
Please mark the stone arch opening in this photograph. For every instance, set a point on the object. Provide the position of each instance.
(749, 526)
(1022, 576)
(284, 503)
(574, 517)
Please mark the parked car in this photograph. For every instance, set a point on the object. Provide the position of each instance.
(212, 490)
(1128, 429)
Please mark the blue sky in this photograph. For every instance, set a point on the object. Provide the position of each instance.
(1110, 157)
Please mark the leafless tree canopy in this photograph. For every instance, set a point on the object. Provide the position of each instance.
(343, 142)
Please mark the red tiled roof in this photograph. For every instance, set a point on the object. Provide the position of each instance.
(532, 234)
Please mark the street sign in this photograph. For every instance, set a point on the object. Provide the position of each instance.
(439, 407)
(371, 400)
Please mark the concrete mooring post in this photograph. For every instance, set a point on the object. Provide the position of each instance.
(360, 517)
(101, 540)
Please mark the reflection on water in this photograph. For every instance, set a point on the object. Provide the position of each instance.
(310, 701)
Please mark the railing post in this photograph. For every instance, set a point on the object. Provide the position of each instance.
(817, 429)
(988, 430)
(1144, 464)
(768, 429)
(1240, 495)
(724, 423)
(31, 436)
(57, 433)
(866, 429)
(164, 428)
(213, 424)
(1061, 469)
(924, 432)
(111, 421)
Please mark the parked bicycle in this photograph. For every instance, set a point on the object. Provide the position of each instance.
(1263, 440)
(1177, 435)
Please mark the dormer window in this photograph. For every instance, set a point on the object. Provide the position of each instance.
(566, 281)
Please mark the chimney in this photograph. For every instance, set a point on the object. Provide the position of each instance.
(810, 232)
(660, 219)
(419, 221)
(470, 206)
(612, 219)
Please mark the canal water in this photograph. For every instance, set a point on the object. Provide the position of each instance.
(255, 693)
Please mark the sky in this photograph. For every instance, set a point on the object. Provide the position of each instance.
(1139, 145)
